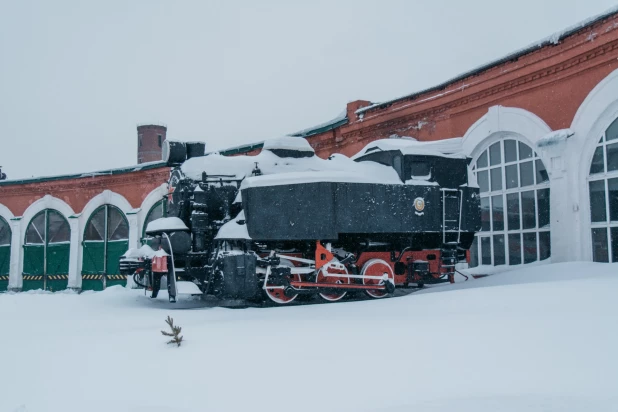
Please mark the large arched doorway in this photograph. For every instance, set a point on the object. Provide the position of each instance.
(46, 252)
(514, 187)
(106, 238)
(5, 254)
(603, 192)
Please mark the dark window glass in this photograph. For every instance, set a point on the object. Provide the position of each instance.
(5, 233)
(159, 140)
(397, 165)
(483, 181)
(58, 228)
(420, 170)
(541, 172)
(529, 247)
(485, 213)
(499, 255)
(497, 212)
(614, 233)
(117, 226)
(525, 152)
(140, 140)
(474, 253)
(496, 179)
(612, 157)
(597, 161)
(544, 245)
(526, 174)
(96, 226)
(512, 179)
(514, 249)
(510, 151)
(494, 154)
(155, 213)
(612, 131)
(512, 207)
(486, 250)
(543, 207)
(597, 201)
(599, 245)
(35, 234)
(528, 210)
(612, 187)
(482, 161)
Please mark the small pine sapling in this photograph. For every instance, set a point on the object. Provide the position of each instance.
(175, 333)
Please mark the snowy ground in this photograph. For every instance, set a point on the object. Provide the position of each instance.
(536, 339)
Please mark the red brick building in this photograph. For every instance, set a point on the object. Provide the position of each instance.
(538, 123)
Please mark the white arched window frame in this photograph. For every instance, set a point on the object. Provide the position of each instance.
(603, 195)
(515, 204)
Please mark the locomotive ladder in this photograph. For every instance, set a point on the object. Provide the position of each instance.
(452, 207)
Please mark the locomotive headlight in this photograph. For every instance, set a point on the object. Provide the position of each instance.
(419, 204)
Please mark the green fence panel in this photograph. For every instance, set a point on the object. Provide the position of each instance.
(58, 258)
(94, 255)
(34, 259)
(5, 259)
(89, 283)
(57, 282)
(115, 249)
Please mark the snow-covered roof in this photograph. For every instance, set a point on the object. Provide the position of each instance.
(128, 169)
(547, 41)
(298, 144)
(341, 119)
(241, 167)
(408, 146)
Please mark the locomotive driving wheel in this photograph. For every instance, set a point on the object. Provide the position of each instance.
(377, 268)
(276, 293)
(328, 274)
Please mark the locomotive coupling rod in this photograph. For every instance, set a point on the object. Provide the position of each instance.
(384, 277)
(333, 286)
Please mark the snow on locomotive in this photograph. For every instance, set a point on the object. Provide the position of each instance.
(286, 223)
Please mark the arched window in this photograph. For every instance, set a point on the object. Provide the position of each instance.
(46, 251)
(157, 211)
(5, 248)
(514, 187)
(106, 238)
(603, 190)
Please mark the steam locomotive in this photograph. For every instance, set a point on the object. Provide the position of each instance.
(286, 224)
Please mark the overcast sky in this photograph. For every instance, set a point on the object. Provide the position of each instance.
(76, 77)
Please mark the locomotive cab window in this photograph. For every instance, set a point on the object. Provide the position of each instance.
(420, 170)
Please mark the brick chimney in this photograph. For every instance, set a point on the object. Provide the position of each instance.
(150, 138)
(354, 106)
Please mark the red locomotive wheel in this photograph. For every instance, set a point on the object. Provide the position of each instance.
(332, 270)
(377, 267)
(277, 295)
